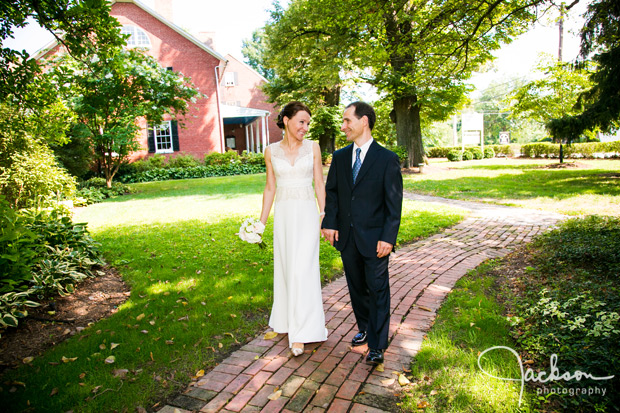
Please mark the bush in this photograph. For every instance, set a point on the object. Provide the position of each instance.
(467, 155)
(402, 153)
(182, 161)
(195, 172)
(41, 252)
(455, 155)
(216, 158)
(326, 158)
(476, 152)
(33, 178)
(575, 150)
(95, 190)
(251, 158)
(489, 152)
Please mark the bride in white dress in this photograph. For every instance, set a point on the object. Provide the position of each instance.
(292, 166)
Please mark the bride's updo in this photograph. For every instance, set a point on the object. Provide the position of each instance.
(289, 110)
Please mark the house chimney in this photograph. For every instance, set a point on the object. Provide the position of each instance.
(207, 38)
(164, 8)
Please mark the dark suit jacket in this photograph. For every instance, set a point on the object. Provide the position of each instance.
(372, 205)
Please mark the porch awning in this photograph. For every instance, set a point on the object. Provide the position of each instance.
(232, 115)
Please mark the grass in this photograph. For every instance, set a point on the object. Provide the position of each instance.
(446, 369)
(196, 292)
(524, 183)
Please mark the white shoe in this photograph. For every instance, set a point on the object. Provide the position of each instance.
(297, 351)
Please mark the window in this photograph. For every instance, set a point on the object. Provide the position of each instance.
(163, 138)
(137, 36)
(230, 79)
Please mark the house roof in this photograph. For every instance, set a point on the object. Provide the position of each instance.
(159, 17)
(232, 115)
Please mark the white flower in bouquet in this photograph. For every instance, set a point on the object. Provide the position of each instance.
(251, 231)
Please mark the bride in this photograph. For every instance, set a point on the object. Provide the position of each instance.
(292, 166)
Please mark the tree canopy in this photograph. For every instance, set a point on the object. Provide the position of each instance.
(599, 107)
(418, 54)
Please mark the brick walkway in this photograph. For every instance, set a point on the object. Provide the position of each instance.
(332, 376)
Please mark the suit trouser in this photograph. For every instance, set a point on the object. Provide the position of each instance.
(369, 288)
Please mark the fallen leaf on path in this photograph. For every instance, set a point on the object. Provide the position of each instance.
(388, 382)
(114, 345)
(380, 367)
(27, 360)
(275, 395)
(402, 380)
(110, 360)
(270, 335)
(421, 307)
(68, 359)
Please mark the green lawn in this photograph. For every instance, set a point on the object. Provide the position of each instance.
(526, 183)
(197, 291)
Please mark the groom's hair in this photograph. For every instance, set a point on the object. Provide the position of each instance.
(364, 109)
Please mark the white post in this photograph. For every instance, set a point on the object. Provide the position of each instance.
(264, 134)
(247, 139)
(251, 136)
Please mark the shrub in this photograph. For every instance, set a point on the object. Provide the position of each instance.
(195, 172)
(216, 158)
(95, 190)
(326, 158)
(467, 155)
(489, 152)
(41, 252)
(476, 152)
(251, 158)
(182, 161)
(33, 178)
(455, 155)
(402, 153)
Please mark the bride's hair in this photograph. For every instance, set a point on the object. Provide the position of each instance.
(289, 110)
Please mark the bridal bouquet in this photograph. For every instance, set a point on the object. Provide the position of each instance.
(251, 231)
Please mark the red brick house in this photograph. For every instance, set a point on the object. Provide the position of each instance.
(233, 114)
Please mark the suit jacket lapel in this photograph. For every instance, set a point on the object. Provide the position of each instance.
(371, 157)
(348, 167)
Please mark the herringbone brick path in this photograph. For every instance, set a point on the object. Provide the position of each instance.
(332, 376)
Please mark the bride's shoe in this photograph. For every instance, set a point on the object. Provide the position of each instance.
(297, 350)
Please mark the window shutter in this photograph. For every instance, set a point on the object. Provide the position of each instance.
(175, 135)
(151, 138)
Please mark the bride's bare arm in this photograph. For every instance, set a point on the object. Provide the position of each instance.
(270, 188)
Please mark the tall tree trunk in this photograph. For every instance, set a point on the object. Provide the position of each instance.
(406, 115)
(327, 141)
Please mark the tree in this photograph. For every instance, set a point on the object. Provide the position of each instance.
(81, 26)
(253, 51)
(417, 53)
(598, 107)
(552, 96)
(109, 95)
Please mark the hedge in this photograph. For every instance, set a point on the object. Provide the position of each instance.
(163, 174)
(442, 151)
(575, 150)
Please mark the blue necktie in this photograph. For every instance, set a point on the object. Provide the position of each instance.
(358, 163)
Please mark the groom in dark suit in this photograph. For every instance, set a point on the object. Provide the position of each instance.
(364, 194)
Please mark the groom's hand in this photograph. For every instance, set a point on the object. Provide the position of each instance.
(330, 234)
(383, 249)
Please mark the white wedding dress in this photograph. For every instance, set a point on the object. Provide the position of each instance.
(297, 301)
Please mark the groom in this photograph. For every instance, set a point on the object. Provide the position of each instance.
(364, 193)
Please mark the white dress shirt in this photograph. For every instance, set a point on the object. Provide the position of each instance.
(364, 149)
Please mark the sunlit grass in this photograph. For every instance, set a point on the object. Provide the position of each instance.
(525, 183)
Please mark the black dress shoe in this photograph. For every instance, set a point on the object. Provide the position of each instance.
(360, 338)
(374, 357)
